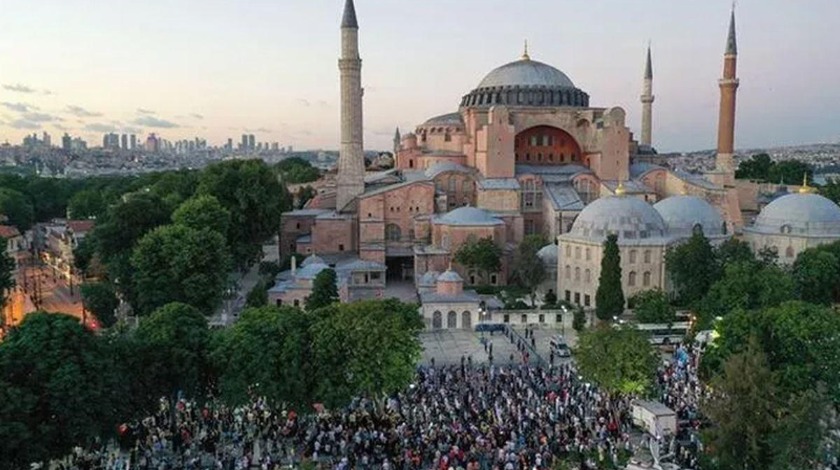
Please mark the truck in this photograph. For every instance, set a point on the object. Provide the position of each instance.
(654, 418)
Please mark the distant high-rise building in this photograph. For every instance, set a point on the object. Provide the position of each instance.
(230, 144)
(124, 145)
(244, 145)
(66, 142)
(78, 144)
(133, 139)
(252, 142)
(47, 140)
(275, 146)
(153, 144)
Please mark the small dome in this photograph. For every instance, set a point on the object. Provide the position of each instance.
(312, 259)
(682, 214)
(428, 279)
(468, 215)
(628, 217)
(548, 254)
(451, 119)
(526, 72)
(799, 214)
(450, 276)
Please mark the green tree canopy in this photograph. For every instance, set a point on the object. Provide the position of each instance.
(324, 290)
(653, 306)
(480, 254)
(56, 390)
(304, 194)
(86, 204)
(178, 264)
(731, 251)
(267, 352)
(816, 273)
(609, 298)
(251, 191)
(760, 167)
(367, 348)
(756, 167)
(296, 170)
(619, 360)
(258, 295)
(174, 343)
(692, 267)
(17, 208)
(203, 213)
(101, 300)
(528, 268)
(748, 286)
(126, 222)
(7, 277)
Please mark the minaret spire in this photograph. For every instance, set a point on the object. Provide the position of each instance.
(351, 159)
(397, 139)
(724, 161)
(647, 103)
(525, 55)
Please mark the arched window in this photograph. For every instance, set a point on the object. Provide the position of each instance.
(577, 274)
(632, 279)
(452, 184)
(466, 320)
(568, 272)
(724, 230)
(568, 250)
(452, 320)
(393, 233)
(577, 252)
(789, 252)
(632, 256)
(588, 254)
(646, 279)
(785, 228)
(437, 320)
(697, 229)
(587, 276)
(647, 256)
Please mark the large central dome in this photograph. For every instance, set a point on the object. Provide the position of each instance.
(525, 83)
(526, 72)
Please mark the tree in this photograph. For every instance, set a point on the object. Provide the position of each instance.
(609, 298)
(791, 171)
(482, 255)
(324, 290)
(756, 168)
(692, 267)
(550, 298)
(653, 306)
(731, 251)
(17, 208)
(178, 264)
(831, 189)
(267, 352)
(86, 204)
(56, 390)
(304, 195)
(368, 348)
(816, 273)
(296, 170)
(202, 213)
(619, 360)
(742, 410)
(255, 198)
(748, 286)
(174, 343)
(800, 433)
(101, 299)
(579, 319)
(529, 268)
(126, 222)
(7, 277)
(258, 295)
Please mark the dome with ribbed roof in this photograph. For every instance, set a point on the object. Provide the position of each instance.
(548, 254)
(685, 214)
(808, 215)
(526, 72)
(628, 217)
(468, 215)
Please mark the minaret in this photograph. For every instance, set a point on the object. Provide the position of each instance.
(647, 103)
(726, 123)
(397, 139)
(351, 159)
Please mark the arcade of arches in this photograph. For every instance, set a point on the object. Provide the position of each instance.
(546, 145)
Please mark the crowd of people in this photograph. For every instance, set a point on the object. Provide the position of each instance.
(468, 416)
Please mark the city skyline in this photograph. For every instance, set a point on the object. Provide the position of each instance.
(217, 75)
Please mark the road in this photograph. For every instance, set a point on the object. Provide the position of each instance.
(51, 292)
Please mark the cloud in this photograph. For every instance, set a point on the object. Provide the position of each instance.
(150, 121)
(100, 127)
(19, 107)
(323, 104)
(304, 102)
(24, 124)
(61, 128)
(197, 116)
(41, 117)
(79, 111)
(132, 130)
(263, 129)
(46, 92)
(145, 111)
(20, 88)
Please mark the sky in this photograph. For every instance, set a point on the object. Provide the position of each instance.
(220, 68)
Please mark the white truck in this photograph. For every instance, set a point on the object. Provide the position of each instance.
(654, 417)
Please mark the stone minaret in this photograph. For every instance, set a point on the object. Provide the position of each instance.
(351, 159)
(647, 103)
(728, 90)
(397, 140)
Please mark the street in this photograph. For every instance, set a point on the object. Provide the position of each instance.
(50, 291)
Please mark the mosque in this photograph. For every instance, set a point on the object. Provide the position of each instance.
(527, 152)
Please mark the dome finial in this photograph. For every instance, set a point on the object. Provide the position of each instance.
(620, 191)
(525, 55)
(805, 189)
